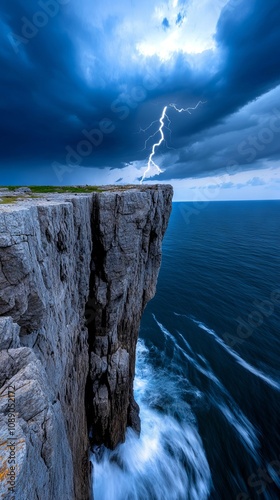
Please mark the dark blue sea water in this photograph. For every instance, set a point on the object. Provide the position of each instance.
(208, 378)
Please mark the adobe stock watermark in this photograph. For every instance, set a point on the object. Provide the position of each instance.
(263, 309)
(11, 442)
(48, 9)
(260, 480)
(93, 138)
(249, 148)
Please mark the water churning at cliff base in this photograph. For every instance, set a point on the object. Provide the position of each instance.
(168, 460)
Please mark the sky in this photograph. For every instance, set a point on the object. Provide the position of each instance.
(84, 84)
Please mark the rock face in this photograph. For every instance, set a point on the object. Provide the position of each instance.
(125, 264)
(75, 275)
(45, 253)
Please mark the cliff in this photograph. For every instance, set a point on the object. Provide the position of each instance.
(76, 272)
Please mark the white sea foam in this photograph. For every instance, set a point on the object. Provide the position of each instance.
(167, 462)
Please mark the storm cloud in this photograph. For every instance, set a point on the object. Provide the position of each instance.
(76, 90)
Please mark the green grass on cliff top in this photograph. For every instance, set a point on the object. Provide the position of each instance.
(9, 199)
(73, 189)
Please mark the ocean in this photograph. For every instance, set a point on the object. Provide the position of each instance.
(208, 358)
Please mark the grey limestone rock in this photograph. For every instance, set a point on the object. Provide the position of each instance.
(45, 254)
(9, 333)
(36, 445)
(76, 272)
(127, 231)
(23, 189)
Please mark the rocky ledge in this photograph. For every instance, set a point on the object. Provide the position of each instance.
(76, 271)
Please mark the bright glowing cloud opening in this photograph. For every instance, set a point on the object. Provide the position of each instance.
(181, 28)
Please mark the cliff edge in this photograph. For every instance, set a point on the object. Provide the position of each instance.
(76, 272)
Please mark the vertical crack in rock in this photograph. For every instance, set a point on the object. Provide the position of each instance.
(127, 232)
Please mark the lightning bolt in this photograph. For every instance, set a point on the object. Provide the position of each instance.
(156, 145)
(160, 130)
(187, 110)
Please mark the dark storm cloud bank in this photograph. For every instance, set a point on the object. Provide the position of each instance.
(229, 149)
(51, 113)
